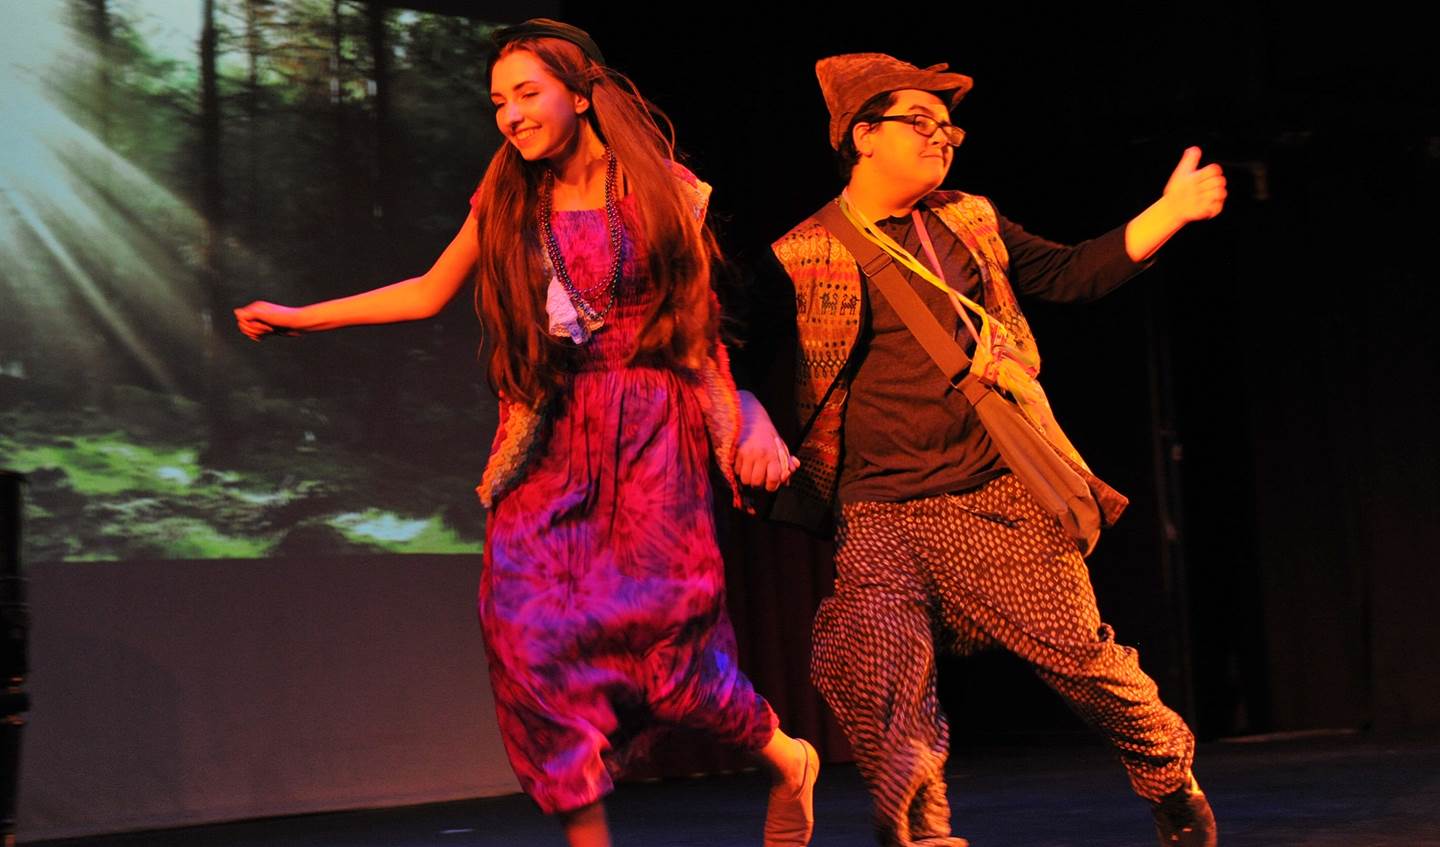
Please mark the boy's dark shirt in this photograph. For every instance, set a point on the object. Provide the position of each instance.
(907, 433)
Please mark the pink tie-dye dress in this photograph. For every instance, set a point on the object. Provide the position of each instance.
(602, 599)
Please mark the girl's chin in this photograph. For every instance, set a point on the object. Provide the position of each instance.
(528, 149)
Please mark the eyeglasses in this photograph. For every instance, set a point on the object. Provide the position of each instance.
(927, 126)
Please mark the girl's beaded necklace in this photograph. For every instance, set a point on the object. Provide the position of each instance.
(593, 317)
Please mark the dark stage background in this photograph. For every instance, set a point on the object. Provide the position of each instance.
(1265, 394)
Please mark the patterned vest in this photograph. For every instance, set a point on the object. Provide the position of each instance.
(829, 299)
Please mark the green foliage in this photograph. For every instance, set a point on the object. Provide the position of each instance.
(139, 486)
(150, 429)
(109, 464)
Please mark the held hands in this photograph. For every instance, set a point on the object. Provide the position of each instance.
(1195, 194)
(260, 319)
(762, 459)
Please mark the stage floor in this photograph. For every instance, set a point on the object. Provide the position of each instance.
(1357, 791)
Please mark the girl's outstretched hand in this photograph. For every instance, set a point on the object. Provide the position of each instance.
(260, 319)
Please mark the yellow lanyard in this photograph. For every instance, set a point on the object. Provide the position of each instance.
(903, 256)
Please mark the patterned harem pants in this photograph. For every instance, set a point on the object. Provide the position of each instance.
(981, 569)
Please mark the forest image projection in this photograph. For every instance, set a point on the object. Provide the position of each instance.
(163, 161)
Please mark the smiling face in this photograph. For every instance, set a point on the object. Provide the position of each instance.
(534, 110)
(892, 151)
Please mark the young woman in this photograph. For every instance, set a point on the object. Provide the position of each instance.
(602, 598)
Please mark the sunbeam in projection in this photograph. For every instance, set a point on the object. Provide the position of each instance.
(150, 179)
(98, 256)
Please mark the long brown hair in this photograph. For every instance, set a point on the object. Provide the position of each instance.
(527, 364)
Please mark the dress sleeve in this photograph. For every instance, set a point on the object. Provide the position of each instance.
(697, 191)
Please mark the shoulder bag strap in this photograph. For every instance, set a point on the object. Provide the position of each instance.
(876, 264)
